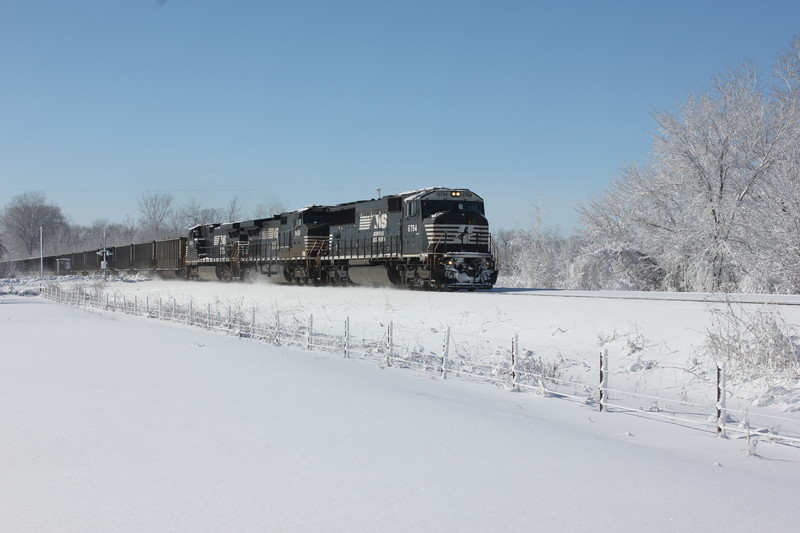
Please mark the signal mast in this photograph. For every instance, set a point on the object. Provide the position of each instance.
(104, 253)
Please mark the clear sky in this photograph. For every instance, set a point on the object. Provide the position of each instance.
(302, 102)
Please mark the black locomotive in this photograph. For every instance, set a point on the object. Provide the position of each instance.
(435, 238)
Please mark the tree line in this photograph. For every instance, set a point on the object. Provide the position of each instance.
(159, 218)
(716, 206)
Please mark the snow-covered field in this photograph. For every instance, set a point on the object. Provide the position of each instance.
(112, 422)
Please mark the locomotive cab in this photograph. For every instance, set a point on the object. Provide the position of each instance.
(450, 230)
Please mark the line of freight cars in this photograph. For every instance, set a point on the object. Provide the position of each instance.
(166, 257)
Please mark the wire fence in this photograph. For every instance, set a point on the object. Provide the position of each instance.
(440, 351)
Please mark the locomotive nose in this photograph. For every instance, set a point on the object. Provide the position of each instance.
(460, 217)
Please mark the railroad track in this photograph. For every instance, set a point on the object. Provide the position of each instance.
(742, 299)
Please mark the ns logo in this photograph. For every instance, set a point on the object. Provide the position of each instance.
(380, 221)
(373, 222)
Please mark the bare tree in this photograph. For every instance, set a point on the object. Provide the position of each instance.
(233, 211)
(25, 214)
(98, 233)
(267, 210)
(192, 214)
(155, 209)
(66, 239)
(127, 231)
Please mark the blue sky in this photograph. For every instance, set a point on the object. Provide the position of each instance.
(322, 102)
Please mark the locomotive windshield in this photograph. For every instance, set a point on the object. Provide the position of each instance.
(429, 207)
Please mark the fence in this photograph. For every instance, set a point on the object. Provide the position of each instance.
(503, 363)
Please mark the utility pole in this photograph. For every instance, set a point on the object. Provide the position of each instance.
(41, 251)
(104, 253)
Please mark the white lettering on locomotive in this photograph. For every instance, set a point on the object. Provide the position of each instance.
(368, 222)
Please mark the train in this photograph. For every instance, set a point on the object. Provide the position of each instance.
(435, 238)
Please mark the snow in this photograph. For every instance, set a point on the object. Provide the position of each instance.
(113, 422)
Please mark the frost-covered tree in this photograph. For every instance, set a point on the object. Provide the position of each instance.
(717, 152)
(774, 265)
(685, 221)
(625, 232)
(536, 257)
(787, 70)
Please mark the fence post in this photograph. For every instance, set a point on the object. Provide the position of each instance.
(277, 326)
(721, 433)
(514, 357)
(603, 378)
(347, 337)
(310, 344)
(208, 316)
(253, 322)
(389, 344)
(445, 353)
